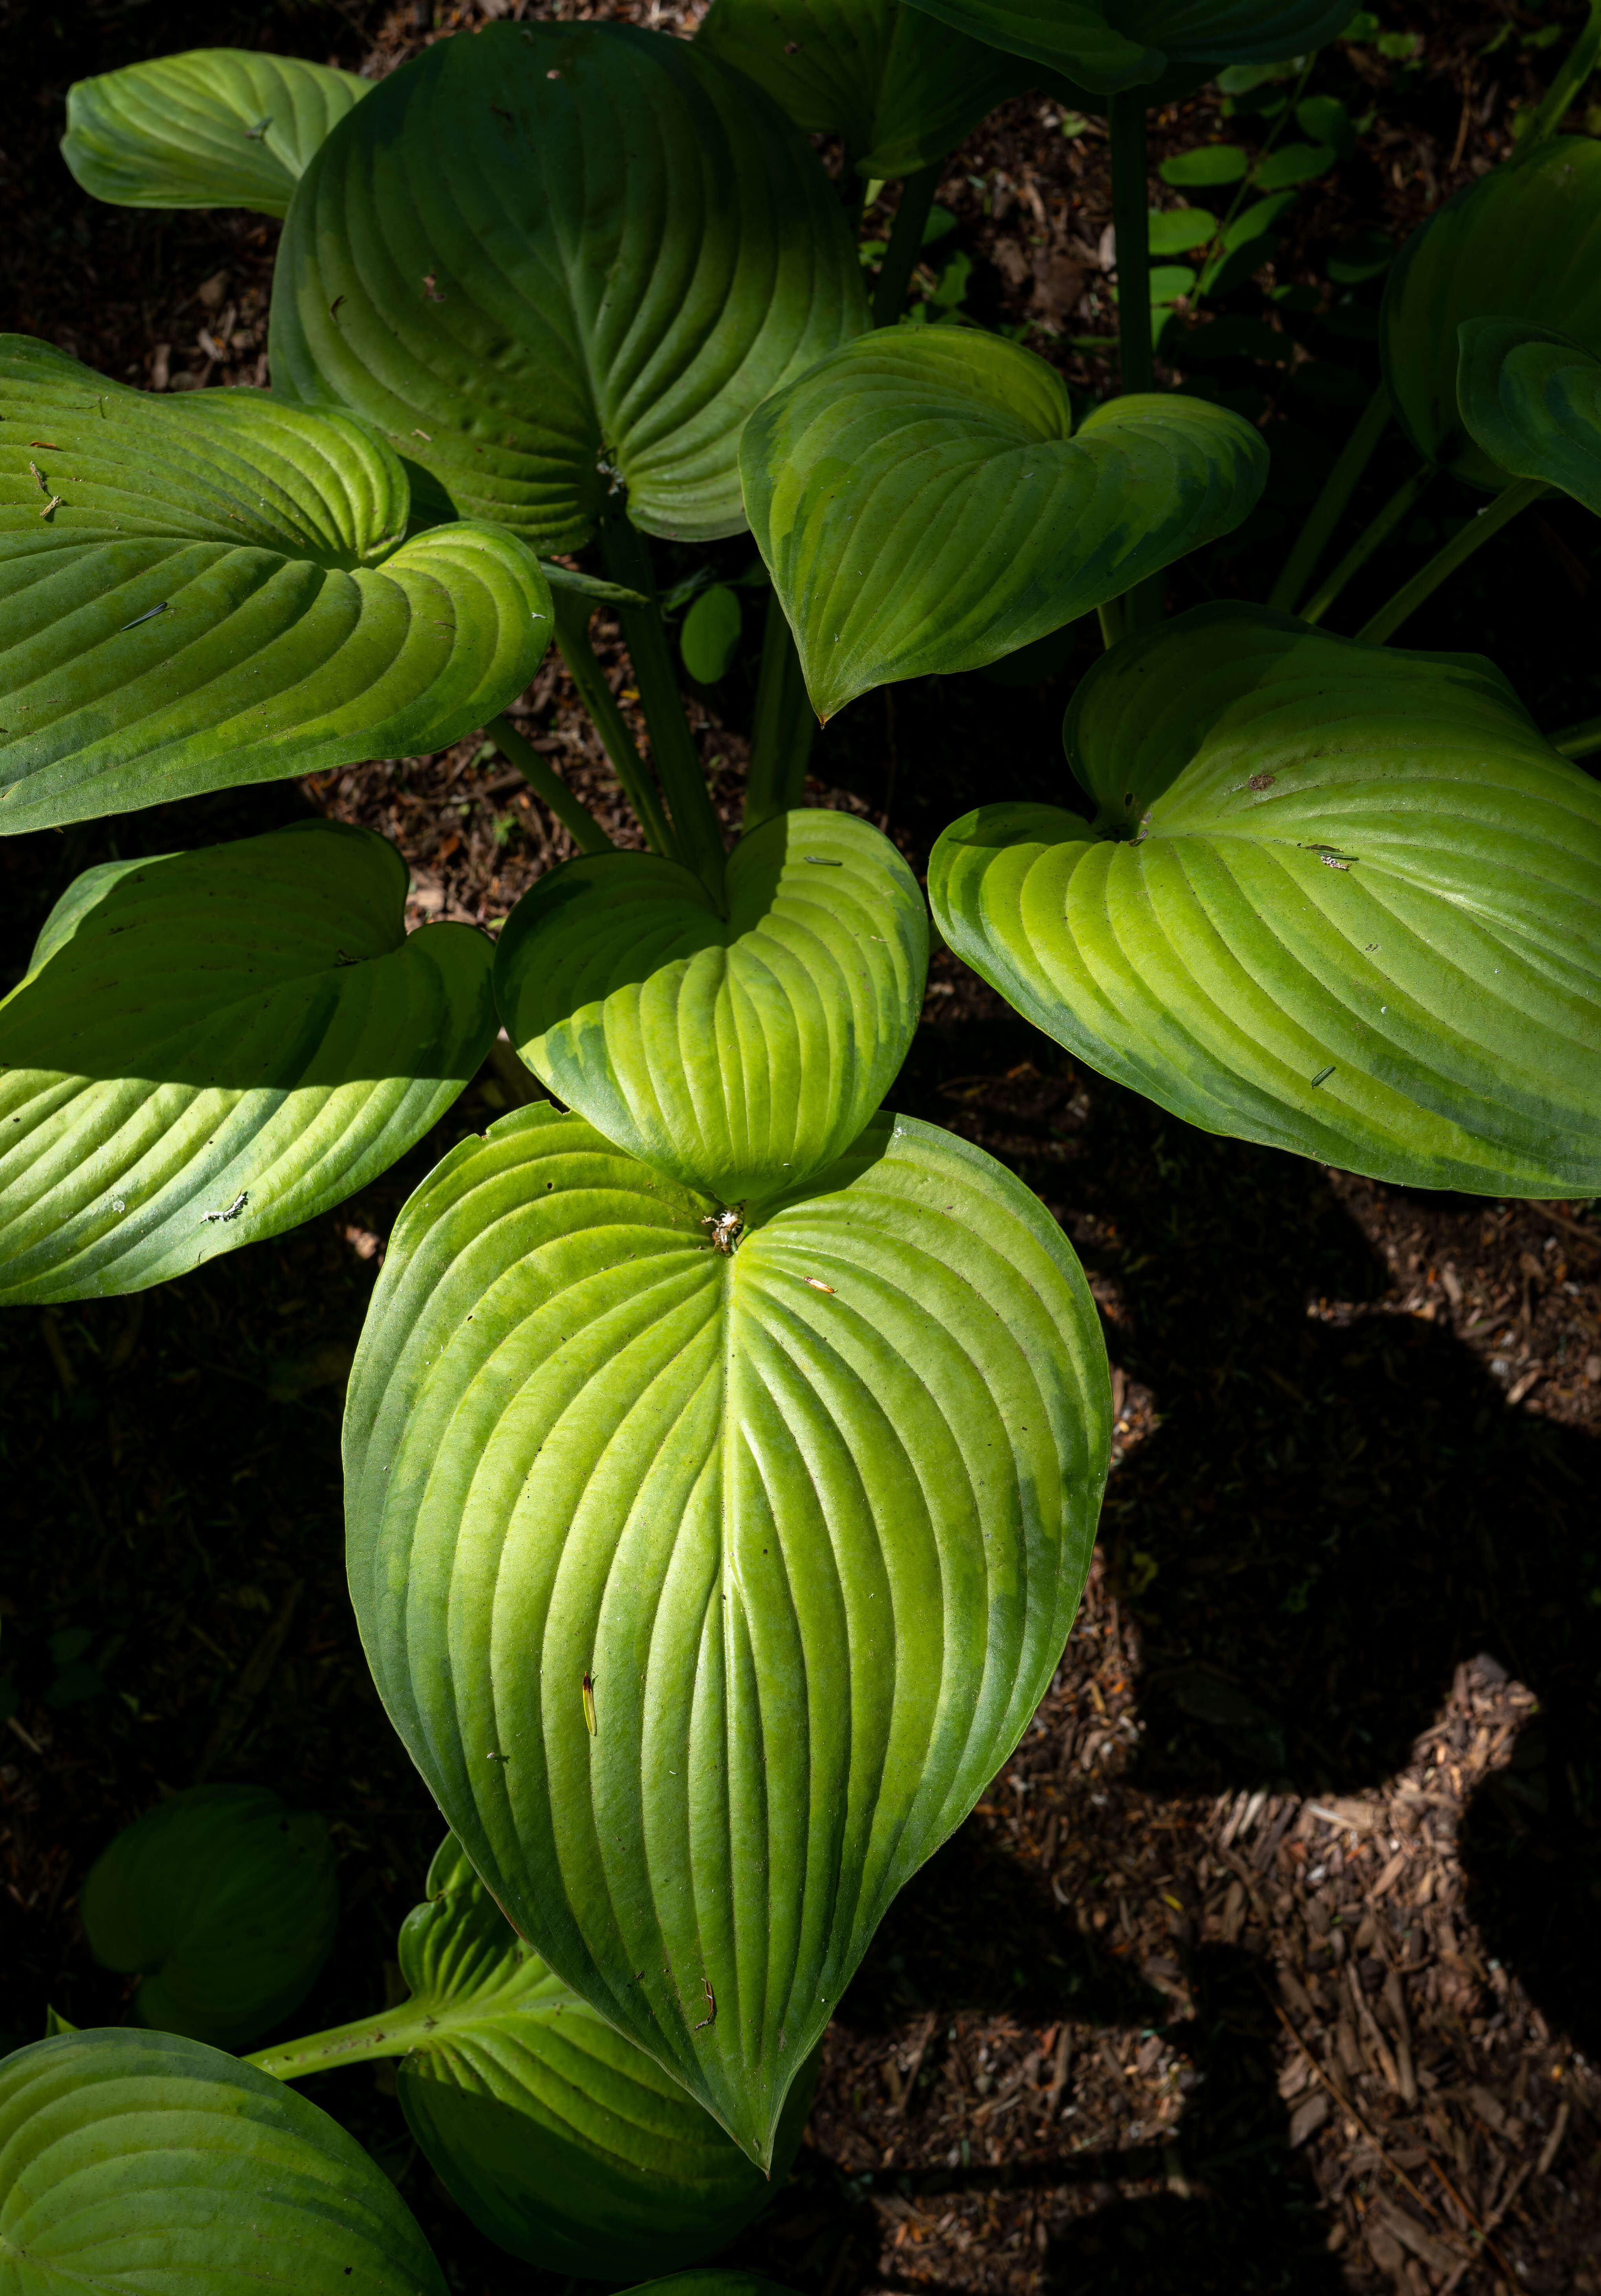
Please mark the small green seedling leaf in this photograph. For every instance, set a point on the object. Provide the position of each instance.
(1361, 257)
(740, 1051)
(709, 638)
(923, 507)
(1531, 401)
(210, 1047)
(144, 2161)
(223, 1902)
(1292, 163)
(1174, 231)
(218, 127)
(1207, 164)
(1339, 898)
(1324, 119)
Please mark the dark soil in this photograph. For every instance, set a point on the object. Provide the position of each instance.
(1269, 1961)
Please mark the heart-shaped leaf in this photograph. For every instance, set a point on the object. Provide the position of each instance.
(630, 248)
(224, 1903)
(145, 2161)
(1359, 916)
(218, 127)
(213, 589)
(740, 1053)
(1111, 45)
(210, 1047)
(1531, 400)
(1523, 243)
(709, 1586)
(563, 2143)
(901, 88)
(922, 507)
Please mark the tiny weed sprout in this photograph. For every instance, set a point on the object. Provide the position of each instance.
(700, 1375)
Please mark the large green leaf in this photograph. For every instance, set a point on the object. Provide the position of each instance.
(707, 1589)
(1340, 898)
(742, 1053)
(922, 507)
(223, 1902)
(1531, 401)
(208, 1048)
(148, 2165)
(901, 89)
(221, 593)
(555, 260)
(218, 127)
(564, 2142)
(1523, 243)
(1110, 45)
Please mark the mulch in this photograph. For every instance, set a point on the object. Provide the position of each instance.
(1267, 1962)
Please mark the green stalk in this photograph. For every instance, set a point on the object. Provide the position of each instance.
(548, 786)
(1373, 536)
(1562, 93)
(677, 759)
(906, 243)
(1445, 561)
(781, 738)
(1329, 508)
(573, 615)
(391, 2033)
(1131, 222)
(1577, 740)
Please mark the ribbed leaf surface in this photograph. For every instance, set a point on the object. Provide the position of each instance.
(811, 1516)
(1360, 918)
(563, 2143)
(1531, 400)
(220, 594)
(554, 259)
(1523, 243)
(147, 2164)
(218, 127)
(210, 1047)
(899, 86)
(739, 1054)
(223, 1902)
(1108, 44)
(921, 507)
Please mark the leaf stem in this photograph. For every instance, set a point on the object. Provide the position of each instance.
(391, 2033)
(677, 759)
(781, 736)
(1373, 536)
(548, 786)
(573, 615)
(906, 243)
(1563, 92)
(1131, 222)
(1445, 561)
(1577, 740)
(1330, 506)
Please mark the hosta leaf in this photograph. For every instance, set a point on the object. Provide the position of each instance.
(563, 2143)
(629, 249)
(210, 1047)
(711, 632)
(1360, 916)
(1109, 45)
(148, 2164)
(739, 1054)
(223, 1902)
(901, 88)
(1531, 400)
(1523, 243)
(222, 595)
(812, 1516)
(218, 127)
(923, 508)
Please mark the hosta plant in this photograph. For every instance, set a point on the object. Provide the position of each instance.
(724, 1449)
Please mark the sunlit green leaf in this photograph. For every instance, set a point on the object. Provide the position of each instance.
(563, 2143)
(218, 127)
(812, 1516)
(223, 1902)
(1531, 400)
(1523, 243)
(629, 248)
(213, 589)
(923, 506)
(1339, 898)
(142, 2161)
(1108, 44)
(208, 1048)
